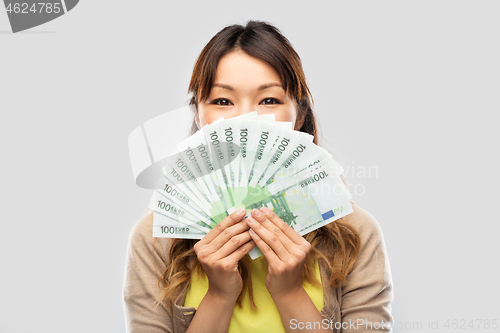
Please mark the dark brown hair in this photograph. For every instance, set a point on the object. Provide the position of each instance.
(335, 244)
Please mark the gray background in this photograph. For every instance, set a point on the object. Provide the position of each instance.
(410, 88)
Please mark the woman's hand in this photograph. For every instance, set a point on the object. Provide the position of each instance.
(219, 252)
(284, 249)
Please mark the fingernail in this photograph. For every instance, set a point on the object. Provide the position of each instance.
(252, 232)
(250, 220)
(265, 210)
(256, 212)
(241, 211)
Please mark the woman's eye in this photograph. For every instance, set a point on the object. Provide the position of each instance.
(221, 101)
(270, 101)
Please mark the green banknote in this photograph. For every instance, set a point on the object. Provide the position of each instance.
(306, 201)
(249, 161)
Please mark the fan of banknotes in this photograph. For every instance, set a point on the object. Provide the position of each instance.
(248, 161)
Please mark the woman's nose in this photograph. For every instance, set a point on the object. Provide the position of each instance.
(244, 108)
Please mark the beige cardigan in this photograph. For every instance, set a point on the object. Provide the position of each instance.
(362, 304)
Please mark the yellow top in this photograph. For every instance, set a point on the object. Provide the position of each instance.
(244, 319)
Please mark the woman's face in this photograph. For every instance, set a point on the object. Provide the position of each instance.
(244, 84)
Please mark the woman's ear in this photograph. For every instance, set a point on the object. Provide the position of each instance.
(197, 120)
(196, 114)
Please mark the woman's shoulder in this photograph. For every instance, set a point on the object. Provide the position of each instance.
(365, 223)
(372, 250)
(141, 238)
(144, 226)
(368, 290)
(372, 262)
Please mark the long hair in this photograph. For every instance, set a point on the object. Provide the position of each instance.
(335, 244)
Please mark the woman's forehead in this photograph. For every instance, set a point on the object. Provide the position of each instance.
(237, 67)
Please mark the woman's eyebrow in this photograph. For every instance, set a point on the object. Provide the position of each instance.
(269, 85)
(223, 86)
(262, 87)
